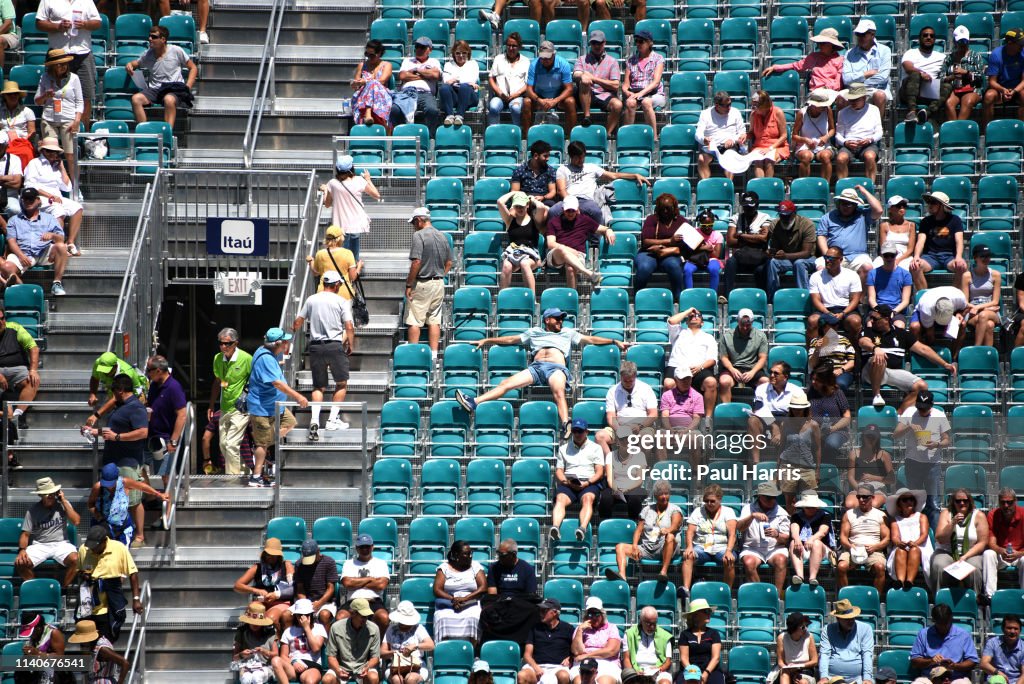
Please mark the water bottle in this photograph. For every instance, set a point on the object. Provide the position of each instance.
(1009, 550)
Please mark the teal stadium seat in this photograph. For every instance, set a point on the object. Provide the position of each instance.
(564, 298)
(757, 613)
(1004, 145)
(438, 488)
(478, 35)
(538, 427)
(436, 30)
(978, 374)
(501, 150)
(526, 533)
(568, 592)
(131, 36)
(635, 149)
(453, 661)
(911, 188)
(811, 197)
(118, 149)
(428, 546)
(981, 25)
(997, 203)
(785, 91)
(614, 594)
(790, 309)
(695, 39)
(705, 300)
(486, 193)
(964, 603)
(614, 34)
(453, 149)
(677, 187)
(906, 615)
(40, 595)
(479, 534)
(549, 133)
(449, 430)
(420, 592)
(610, 533)
(719, 597)
(920, 20)
(384, 531)
(503, 362)
(471, 312)
(412, 371)
(599, 370)
(529, 31)
(787, 39)
(959, 145)
(567, 37)
(595, 138)
(444, 197)
(737, 43)
(530, 487)
(866, 598)
(392, 32)
(737, 84)
(503, 659)
(752, 298)
(650, 362)
(898, 661)
(609, 311)
(291, 531)
(182, 28)
(514, 311)
(660, 595)
(368, 147)
(661, 31)
(334, 536)
(912, 149)
(615, 262)
(406, 151)
(651, 310)
(749, 664)
(493, 430)
(391, 486)
(811, 602)
(770, 191)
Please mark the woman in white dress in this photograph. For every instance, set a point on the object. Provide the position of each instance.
(911, 546)
(458, 586)
(404, 647)
(960, 535)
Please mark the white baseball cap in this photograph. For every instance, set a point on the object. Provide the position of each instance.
(745, 313)
(865, 25)
(961, 33)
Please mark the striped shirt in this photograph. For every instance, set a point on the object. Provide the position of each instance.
(841, 355)
(896, 344)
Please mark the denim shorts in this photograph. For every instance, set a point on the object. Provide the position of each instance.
(543, 370)
(937, 260)
(705, 557)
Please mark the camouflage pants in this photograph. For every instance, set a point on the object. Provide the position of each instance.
(910, 91)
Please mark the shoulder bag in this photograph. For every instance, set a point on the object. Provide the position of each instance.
(360, 314)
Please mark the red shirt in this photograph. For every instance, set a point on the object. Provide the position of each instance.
(575, 234)
(1012, 531)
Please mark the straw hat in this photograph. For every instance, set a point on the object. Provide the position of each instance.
(85, 632)
(698, 605)
(845, 610)
(58, 56)
(809, 499)
(46, 485)
(822, 97)
(798, 399)
(829, 35)
(12, 87)
(255, 614)
(273, 547)
(892, 500)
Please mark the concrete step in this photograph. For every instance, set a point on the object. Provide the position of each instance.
(175, 676)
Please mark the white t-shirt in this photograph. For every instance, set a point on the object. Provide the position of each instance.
(346, 210)
(835, 290)
(411, 64)
(712, 535)
(635, 464)
(935, 424)
(581, 462)
(375, 567)
(755, 538)
(926, 305)
(580, 182)
(931, 65)
(75, 10)
(298, 645)
(633, 404)
(467, 73)
(690, 349)
(15, 167)
(16, 126)
(510, 77)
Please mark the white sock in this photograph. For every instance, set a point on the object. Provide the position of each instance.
(315, 420)
(335, 410)
(18, 412)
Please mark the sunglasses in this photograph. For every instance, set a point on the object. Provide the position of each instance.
(155, 36)
(775, 372)
(461, 54)
(927, 35)
(226, 344)
(695, 314)
(828, 258)
(369, 55)
(962, 501)
(1003, 502)
(864, 497)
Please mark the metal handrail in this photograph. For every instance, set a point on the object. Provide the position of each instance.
(179, 473)
(263, 79)
(133, 148)
(135, 649)
(299, 275)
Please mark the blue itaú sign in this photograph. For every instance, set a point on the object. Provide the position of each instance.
(238, 236)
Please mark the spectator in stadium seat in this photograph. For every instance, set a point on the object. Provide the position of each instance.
(537, 178)
(163, 63)
(371, 98)
(365, 577)
(507, 79)
(897, 229)
(870, 465)
(579, 469)
(791, 245)
(858, 132)
(648, 650)
(405, 645)
(921, 84)
(766, 527)
(830, 409)
(623, 470)
(936, 309)
(549, 87)
(706, 255)
(430, 260)
(255, 645)
(908, 533)
(963, 80)
(962, 534)
(944, 644)
(630, 404)
(700, 646)
(742, 354)
(459, 89)
(299, 655)
(103, 563)
(884, 350)
(925, 431)
(981, 284)
(19, 367)
(771, 402)
(837, 291)
(662, 251)
(940, 241)
(578, 178)
(825, 65)
(1005, 73)
(270, 580)
(231, 369)
(11, 177)
(747, 240)
(115, 502)
(891, 284)
(315, 578)
(795, 651)
(597, 82)
(69, 27)
(46, 174)
(458, 586)
(596, 647)
(869, 62)
(838, 359)
(710, 537)
(551, 346)
(344, 195)
(18, 121)
(799, 439)
(418, 76)
(59, 94)
(34, 238)
(1005, 540)
(813, 130)
(642, 85)
(353, 648)
(719, 128)
(696, 351)
(1004, 655)
(656, 535)
(811, 538)
(44, 533)
(846, 227)
(510, 575)
(524, 235)
(769, 134)
(847, 646)
(167, 412)
(863, 539)
(568, 239)
(548, 650)
(682, 409)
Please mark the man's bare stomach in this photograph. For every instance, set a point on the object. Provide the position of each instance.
(549, 356)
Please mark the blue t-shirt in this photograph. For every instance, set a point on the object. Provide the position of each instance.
(889, 284)
(940, 235)
(27, 233)
(131, 415)
(262, 393)
(1007, 661)
(548, 83)
(957, 645)
(848, 234)
(1007, 70)
(520, 579)
(166, 399)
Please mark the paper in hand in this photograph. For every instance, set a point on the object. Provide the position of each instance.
(829, 344)
(690, 236)
(959, 569)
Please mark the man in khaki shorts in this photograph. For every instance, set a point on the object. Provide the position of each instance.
(430, 258)
(864, 537)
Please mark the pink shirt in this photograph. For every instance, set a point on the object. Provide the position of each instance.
(681, 409)
(715, 239)
(347, 210)
(826, 72)
(599, 638)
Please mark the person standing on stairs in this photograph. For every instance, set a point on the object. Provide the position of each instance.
(332, 338)
(231, 367)
(104, 370)
(430, 259)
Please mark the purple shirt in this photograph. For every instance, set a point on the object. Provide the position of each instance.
(681, 409)
(573, 235)
(166, 399)
(604, 67)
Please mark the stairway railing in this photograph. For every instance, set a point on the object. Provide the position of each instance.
(135, 650)
(264, 79)
(178, 476)
(299, 280)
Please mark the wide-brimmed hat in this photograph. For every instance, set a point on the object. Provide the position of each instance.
(845, 610)
(892, 500)
(798, 399)
(940, 197)
(405, 615)
(829, 35)
(809, 499)
(58, 56)
(12, 87)
(822, 97)
(256, 614)
(272, 547)
(51, 144)
(848, 195)
(303, 607)
(46, 485)
(768, 489)
(85, 632)
(854, 92)
(697, 605)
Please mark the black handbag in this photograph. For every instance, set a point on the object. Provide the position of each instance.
(360, 314)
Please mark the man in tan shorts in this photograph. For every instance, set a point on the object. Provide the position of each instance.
(864, 537)
(430, 258)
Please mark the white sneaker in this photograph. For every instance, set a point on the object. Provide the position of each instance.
(491, 18)
(878, 401)
(57, 289)
(336, 424)
(449, 121)
(204, 38)
(73, 250)
(456, 121)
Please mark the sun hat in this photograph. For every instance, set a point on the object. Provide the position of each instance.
(768, 489)
(697, 605)
(255, 614)
(845, 610)
(303, 607)
(848, 195)
(11, 87)
(829, 35)
(46, 485)
(821, 97)
(85, 632)
(798, 399)
(809, 499)
(854, 92)
(940, 197)
(51, 144)
(405, 615)
(892, 501)
(58, 56)
(272, 547)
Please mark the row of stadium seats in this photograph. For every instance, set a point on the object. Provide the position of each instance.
(129, 39)
(39, 595)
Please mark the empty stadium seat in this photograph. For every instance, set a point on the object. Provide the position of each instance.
(737, 43)
(471, 309)
(492, 430)
(452, 662)
(412, 371)
(334, 536)
(444, 200)
(912, 147)
(531, 487)
(439, 485)
(609, 310)
(614, 594)
(390, 488)
(568, 592)
(651, 309)
(757, 612)
(599, 370)
(514, 310)
(1004, 145)
(449, 433)
(428, 545)
(997, 203)
(538, 427)
(790, 309)
(695, 39)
